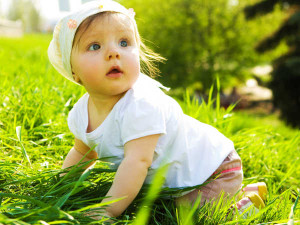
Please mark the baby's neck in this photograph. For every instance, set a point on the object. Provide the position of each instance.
(99, 109)
(103, 105)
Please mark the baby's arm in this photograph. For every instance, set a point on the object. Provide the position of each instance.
(77, 152)
(131, 174)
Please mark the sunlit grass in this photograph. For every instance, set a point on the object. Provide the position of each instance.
(34, 139)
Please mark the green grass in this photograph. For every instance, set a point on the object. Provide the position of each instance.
(34, 139)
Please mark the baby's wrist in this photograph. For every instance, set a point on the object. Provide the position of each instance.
(107, 214)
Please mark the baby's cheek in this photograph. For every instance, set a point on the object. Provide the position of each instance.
(92, 74)
(93, 78)
(91, 66)
(134, 60)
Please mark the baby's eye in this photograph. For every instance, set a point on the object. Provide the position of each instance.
(123, 43)
(94, 47)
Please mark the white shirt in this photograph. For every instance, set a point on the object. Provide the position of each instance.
(193, 150)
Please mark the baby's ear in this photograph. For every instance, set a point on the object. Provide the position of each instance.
(76, 78)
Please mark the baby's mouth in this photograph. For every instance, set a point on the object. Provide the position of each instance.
(114, 71)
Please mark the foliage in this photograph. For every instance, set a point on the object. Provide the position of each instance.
(200, 39)
(25, 11)
(36, 98)
(15, 10)
(285, 82)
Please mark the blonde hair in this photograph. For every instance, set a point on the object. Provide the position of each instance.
(148, 57)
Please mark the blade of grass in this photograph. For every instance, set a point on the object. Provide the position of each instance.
(18, 131)
(37, 202)
(218, 97)
(188, 219)
(97, 205)
(293, 208)
(153, 192)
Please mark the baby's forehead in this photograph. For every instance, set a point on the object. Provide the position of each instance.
(103, 29)
(111, 21)
(107, 30)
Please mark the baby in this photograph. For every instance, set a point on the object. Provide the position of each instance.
(132, 122)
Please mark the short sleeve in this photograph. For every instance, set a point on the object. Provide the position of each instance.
(142, 118)
(73, 123)
(77, 120)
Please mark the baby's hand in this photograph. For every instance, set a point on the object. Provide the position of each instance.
(99, 216)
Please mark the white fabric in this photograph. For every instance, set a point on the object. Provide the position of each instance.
(192, 149)
(60, 47)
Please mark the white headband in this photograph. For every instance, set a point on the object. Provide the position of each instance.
(59, 51)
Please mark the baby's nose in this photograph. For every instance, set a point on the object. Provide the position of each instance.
(112, 54)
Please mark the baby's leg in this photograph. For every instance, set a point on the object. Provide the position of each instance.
(228, 182)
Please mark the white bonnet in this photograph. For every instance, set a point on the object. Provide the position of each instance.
(59, 51)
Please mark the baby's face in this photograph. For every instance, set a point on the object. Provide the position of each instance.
(105, 56)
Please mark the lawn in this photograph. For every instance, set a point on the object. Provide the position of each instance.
(34, 139)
